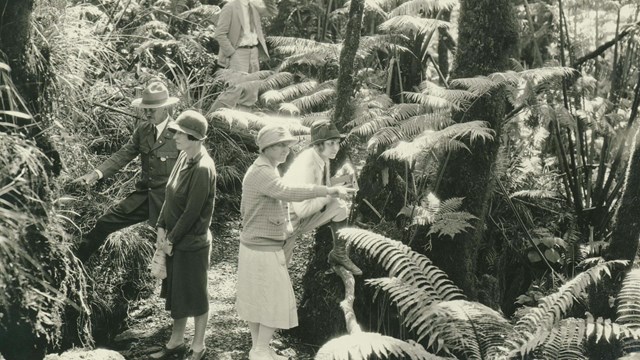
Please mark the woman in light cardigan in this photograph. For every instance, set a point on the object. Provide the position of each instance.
(265, 296)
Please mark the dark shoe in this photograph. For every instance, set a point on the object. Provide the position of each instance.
(338, 255)
(166, 352)
(192, 355)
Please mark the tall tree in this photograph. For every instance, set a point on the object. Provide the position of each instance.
(29, 76)
(487, 37)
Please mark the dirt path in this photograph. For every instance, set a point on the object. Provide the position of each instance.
(227, 337)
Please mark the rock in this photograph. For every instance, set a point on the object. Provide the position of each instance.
(82, 354)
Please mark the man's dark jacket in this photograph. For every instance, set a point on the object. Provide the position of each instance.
(157, 157)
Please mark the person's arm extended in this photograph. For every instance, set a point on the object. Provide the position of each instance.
(123, 156)
(222, 30)
(272, 185)
(198, 193)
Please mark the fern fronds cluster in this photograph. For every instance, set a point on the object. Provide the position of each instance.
(249, 120)
(430, 304)
(628, 310)
(362, 345)
(534, 327)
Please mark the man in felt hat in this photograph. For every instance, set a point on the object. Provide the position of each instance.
(311, 166)
(158, 154)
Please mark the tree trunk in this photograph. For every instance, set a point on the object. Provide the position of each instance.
(15, 42)
(487, 37)
(320, 315)
(344, 88)
(626, 225)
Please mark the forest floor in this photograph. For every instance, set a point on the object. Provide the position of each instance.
(227, 337)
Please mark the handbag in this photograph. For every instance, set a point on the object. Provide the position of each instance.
(158, 265)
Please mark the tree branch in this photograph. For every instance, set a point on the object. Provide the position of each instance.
(601, 49)
(349, 295)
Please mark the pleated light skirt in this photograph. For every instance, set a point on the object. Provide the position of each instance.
(264, 291)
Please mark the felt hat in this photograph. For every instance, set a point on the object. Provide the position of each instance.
(192, 123)
(273, 134)
(154, 96)
(323, 130)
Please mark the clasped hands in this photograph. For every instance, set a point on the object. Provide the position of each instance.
(163, 243)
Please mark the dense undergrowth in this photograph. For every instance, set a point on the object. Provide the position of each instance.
(559, 175)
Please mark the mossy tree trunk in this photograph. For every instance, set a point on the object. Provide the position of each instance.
(487, 38)
(320, 315)
(30, 79)
(626, 226)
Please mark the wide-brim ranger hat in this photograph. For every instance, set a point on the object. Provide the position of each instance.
(191, 123)
(323, 130)
(274, 134)
(155, 96)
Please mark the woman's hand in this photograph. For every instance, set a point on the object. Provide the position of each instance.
(341, 192)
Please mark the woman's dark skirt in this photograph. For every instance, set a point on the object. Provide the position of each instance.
(185, 288)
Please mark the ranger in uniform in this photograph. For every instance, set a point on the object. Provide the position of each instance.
(158, 154)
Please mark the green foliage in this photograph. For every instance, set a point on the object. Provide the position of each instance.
(626, 309)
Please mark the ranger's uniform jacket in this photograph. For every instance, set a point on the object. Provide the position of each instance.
(157, 157)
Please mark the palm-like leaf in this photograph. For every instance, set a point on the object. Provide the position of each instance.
(414, 7)
(364, 345)
(289, 92)
(628, 311)
(402, 262)
(408, 24)
(308, 102)
(533, 328)
(248, 120)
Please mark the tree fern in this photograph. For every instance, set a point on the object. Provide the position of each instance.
(627, 310)
(566, 341)
(289, 92)
(248, 120)
(307, 102)
(404, 263)
(381, 42)
(409, 24)
(276, 81)
(414, 7)
(294, 45)
(364, 345)
(534, 327)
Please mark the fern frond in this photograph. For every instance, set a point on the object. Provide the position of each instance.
(324, 96)
(408, 24)
(248, 120)
(431, 101)
(372, 6)
(468, 329)
(404, 263)
(628, 310)
(276, 81)
(289, 92)
(415, 7)
(205, 12)
(547, 73)
(478, 85)
(294, 45)
(566, 341)
(475, 130)
(532, 328)
(364, 345)
(534, 194)
(290, 108)
(309, 119)
(380, 42)
(606, 330)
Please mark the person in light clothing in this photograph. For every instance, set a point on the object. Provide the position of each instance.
(239, 34)
(312, 166)
(184, 235)
(265, 296)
